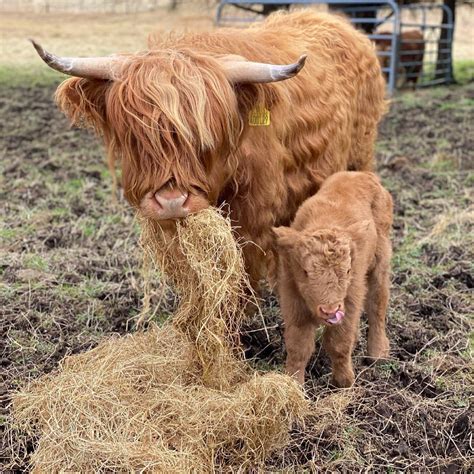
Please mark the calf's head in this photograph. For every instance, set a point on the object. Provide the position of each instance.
(171, 118)
(320, 265)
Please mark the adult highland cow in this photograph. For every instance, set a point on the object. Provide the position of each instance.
(203, 119)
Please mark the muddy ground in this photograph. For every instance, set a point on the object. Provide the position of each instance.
(70, 276)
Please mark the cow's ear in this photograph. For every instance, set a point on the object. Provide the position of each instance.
(285, 236)
(83, 102)
(359, 230)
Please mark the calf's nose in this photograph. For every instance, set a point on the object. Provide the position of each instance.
(172, 203)
(329, 310)
(331, 314)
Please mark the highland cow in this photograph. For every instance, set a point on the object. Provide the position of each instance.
(412, 50)
(206, 119)
(333, 258)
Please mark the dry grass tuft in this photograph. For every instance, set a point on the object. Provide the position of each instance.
(451, 225)
(178, 398)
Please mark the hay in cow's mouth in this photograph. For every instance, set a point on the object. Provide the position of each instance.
(179, 398)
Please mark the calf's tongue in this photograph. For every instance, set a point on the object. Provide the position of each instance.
(337, 318)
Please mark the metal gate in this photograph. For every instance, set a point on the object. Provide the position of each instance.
(413, 46)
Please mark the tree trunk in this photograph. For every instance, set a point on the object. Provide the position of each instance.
(441, 64)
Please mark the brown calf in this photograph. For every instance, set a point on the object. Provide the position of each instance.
(412, 50)
(334, 260)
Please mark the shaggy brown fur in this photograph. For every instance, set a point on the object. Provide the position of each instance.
(335, 256)
(412, 49)
(175, 118)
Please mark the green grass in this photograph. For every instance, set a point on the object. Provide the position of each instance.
(88, 227)
(8, 234)
(87, 288)
(73, 185)
(466, 103)
(441, 163)
(407, 256)
(464, 71)
(35, 262)
(411, 99)
(28, 75)
(389, 367)
(60, 212)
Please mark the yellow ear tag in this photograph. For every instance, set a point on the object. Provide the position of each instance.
(259, 117)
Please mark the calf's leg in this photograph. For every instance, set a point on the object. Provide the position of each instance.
(339, 342)
(299, 341)
(299, 328)
(378, 294)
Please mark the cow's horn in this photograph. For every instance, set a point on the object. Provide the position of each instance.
(90, 68)
(241, 71)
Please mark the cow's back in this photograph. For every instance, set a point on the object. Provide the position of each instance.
(333, 107)
(323, 120)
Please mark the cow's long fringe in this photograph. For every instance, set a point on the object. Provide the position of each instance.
(163, 120)
(179, 398)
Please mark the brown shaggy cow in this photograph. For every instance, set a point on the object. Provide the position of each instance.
(412, 50)
(335, 256)
(198, 119)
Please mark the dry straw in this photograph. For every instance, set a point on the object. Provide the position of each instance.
(178, 398)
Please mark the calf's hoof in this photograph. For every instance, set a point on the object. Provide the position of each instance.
(298, 375)
(379, 349)
(342, 380)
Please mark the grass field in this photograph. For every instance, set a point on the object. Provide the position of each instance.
(70, 273)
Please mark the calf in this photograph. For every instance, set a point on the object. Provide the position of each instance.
(333, 258)
(412, 50)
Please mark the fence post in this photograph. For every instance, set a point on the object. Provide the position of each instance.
(445, 42)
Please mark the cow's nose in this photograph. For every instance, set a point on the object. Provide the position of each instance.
(172, 203)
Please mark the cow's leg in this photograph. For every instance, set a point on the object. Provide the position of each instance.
(339, 342)
(377, 302)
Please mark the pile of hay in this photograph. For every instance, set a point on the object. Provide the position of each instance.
(179, 398)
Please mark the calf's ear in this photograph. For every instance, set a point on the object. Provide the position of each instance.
(285, 236)
(359, 230)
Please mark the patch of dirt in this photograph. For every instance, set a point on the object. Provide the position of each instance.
(70, 276)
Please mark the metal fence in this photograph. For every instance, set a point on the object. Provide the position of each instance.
(414, 42)
(426, 60)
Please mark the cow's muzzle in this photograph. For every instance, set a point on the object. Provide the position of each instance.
(172, 205)
(170, 202)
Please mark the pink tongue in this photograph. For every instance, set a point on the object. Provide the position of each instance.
(336, 318)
